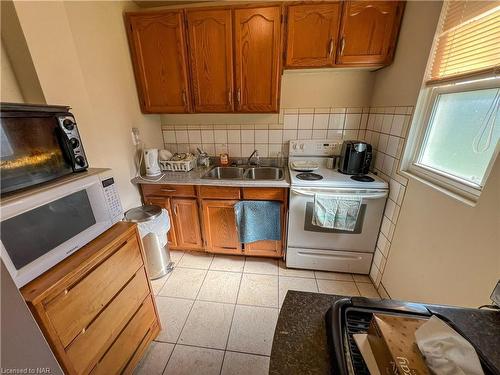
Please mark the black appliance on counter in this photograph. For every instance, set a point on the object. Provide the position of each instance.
(352, 315)
(355, 158)
(39, 143)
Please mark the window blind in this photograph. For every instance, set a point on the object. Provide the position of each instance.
(468, 41)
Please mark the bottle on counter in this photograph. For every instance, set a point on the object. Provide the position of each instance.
(224, 159)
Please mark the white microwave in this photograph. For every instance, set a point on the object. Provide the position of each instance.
(39, 230)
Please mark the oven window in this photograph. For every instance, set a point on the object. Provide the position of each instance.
(308, 225)
(32, 234)
(31, 152)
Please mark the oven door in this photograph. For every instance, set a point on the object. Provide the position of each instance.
(40, 230)
(303, 234)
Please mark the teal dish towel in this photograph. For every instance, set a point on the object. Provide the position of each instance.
(336, 212)
(258, 220)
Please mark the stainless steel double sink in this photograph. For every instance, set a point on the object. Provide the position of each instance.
(245, 173)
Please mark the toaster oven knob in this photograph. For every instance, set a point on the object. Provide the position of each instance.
(80, 161)
(68, 124)
(74, 142)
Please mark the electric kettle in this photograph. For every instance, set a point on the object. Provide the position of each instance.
(151, 162)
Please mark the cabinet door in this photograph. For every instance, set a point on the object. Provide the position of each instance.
(165, 203)
(187, 223)
(211, 59)
(369, 32)
(159, 58)
(268, 248)
(312, 34)
(220, 226)
(257, 40)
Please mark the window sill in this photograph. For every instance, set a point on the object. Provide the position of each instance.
(452, 192)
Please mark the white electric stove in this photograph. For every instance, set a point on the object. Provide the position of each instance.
(313, 247)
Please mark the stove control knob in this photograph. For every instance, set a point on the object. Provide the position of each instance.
(294, 146)
(302, 146)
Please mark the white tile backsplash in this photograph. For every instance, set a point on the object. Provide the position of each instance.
(336, 121)
(352, 121)
(261, 136)
(181, 136)
(194, 136)
(306, 121)
(321, 120)
(304, 134)
(276, 136)
(220, 136)
(290, 121)
(247, 136)
(207, 136)
(233, 136)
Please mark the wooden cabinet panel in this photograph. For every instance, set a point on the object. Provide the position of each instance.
(90, 345)
(123, 349)
(74, 309)
(257, 44)
(165, 203)
(220, 226)
(219, 192)
(312, 34)
(268, 194)
(369, 32)
(187, 223)
(163, 190)
(159, 58)
(211, 59)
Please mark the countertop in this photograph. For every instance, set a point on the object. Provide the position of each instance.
(194, 177)
(300, 342)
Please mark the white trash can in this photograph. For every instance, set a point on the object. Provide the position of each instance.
(153, 224)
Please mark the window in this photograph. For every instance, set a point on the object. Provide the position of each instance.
(456, 134)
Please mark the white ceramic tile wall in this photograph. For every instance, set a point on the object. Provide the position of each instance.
(386, 131)
(239, 140)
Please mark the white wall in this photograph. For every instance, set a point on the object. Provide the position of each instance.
(80, 53)
(442, 250)
(10, 91)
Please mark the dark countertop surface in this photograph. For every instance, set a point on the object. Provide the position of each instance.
(300, 342)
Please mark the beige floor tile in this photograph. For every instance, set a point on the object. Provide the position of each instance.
(295, 283)
(158, 283)
(184, 283)
(264, 266)
(248, 364)
(176, 256)
(220, 286)
(258, 290)
(195, 259)
(188, 360)
(341, 288)
(367, 290)
(252, 330)
(208, 325)
(292, 272)
(361, 278)
(228, 263)
(333, 276)
(155, 359)
(173, 314)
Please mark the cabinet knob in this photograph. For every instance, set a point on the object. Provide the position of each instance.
(230, 97)
(238, 95)
(342, 45)
(184, 100)
(330, 48)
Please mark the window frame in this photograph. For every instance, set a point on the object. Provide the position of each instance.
(425, 110)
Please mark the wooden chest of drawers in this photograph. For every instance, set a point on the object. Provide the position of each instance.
(96, 307)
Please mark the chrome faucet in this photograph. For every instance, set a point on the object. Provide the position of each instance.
(256, 153)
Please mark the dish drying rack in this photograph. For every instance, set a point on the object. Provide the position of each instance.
(179, 163)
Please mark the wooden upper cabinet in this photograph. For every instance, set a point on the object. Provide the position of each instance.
(211, 59)
(257, 44)
(159, 58)
(369, 32)
(220, 231)
(312, 34)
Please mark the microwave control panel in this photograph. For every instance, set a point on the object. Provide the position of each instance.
(73, 142)
(112, 199)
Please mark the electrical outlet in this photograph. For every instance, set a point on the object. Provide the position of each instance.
(136, 136)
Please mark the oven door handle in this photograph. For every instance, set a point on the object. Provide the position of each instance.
(363, 195)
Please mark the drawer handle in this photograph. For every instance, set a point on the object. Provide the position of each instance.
(168, 190)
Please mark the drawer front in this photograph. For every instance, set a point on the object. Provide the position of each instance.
(117, 357)
(89, 346)
(267, 194)
(77, 306)
(219, 192)
(168, 190)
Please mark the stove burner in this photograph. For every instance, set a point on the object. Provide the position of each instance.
(362, 178)
(309, 176)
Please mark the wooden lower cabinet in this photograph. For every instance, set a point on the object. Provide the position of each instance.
(95, 308)
(221, 234)
(207, 222)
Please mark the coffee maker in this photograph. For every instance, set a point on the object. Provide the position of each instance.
(355, 158)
